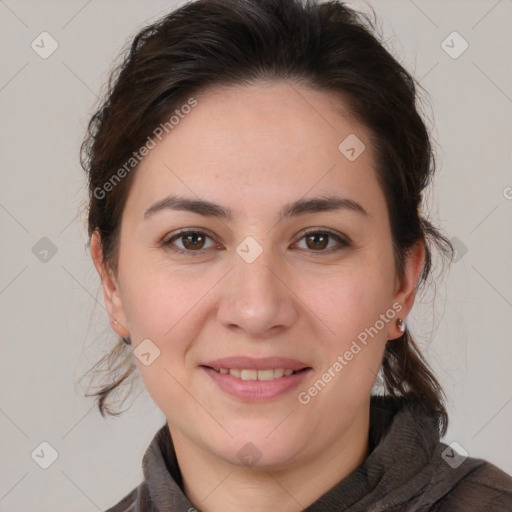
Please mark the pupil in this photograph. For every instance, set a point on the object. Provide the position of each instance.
(315, 238)
(193, 237)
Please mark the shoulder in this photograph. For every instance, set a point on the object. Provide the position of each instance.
(484, 487)
(138, 500)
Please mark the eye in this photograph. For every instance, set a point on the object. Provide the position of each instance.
(317, 240)
(192, 242)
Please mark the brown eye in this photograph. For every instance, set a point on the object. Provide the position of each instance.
(191, 242)
(318, 241)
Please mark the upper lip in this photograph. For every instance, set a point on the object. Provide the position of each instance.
(251, 363)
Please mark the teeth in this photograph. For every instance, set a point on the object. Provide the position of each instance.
(265, 374)
(251, 374)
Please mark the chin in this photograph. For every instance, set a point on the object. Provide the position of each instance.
(250, 448)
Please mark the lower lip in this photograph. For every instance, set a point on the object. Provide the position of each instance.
(256, 390)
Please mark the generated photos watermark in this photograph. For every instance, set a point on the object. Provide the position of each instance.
(137, 156)
(304, 397)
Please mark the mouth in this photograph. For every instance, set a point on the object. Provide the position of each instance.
(253, 374)
(256, 380)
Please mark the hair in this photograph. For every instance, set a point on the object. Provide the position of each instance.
(325, 46)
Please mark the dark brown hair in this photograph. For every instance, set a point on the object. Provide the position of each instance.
(325, 46)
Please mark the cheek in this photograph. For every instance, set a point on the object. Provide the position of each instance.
(351, 303)
(350, 299)
(165, 307)
(159, 304)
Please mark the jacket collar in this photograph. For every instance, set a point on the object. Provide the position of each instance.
(402, 439)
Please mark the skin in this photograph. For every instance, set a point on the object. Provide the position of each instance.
(254, 149)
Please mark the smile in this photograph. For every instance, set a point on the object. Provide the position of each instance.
(251, 374)
(256, 385)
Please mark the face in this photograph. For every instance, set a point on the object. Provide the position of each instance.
(313, 290)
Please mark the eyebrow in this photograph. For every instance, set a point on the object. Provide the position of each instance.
(299, 207)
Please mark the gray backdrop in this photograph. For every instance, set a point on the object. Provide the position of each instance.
(53, 321)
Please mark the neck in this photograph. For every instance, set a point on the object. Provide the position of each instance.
(214, 485)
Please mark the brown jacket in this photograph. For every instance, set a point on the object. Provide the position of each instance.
(408, 469)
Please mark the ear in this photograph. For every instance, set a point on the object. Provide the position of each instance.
(111, 292)
(406, 287)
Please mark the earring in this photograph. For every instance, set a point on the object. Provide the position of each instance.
(115, 322)
(400, 324)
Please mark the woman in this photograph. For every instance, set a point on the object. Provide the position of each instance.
(256, 176)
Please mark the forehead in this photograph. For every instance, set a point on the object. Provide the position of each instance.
(249, 146)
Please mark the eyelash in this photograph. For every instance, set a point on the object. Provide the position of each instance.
(167, 242)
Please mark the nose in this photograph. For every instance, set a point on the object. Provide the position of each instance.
(257, 298)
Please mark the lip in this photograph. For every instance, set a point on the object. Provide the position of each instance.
(251, 363)
(256, 390)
